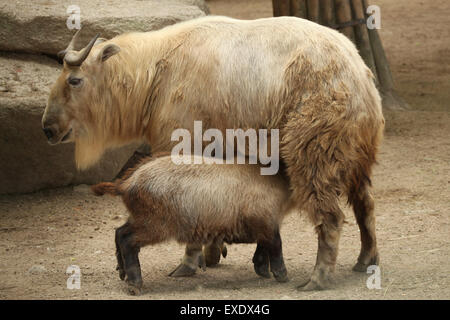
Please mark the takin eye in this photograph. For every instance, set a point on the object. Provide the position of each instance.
(75, 82)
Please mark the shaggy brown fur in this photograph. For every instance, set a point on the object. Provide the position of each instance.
(287, 73)
(232, 201)
(201, 204)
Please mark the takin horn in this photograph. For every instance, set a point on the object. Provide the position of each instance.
(76, 58)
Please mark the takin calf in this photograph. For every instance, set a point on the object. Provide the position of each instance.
(199, 204)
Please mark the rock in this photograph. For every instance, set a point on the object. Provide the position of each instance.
(37, 269)
(28, 163)
(41, 26)
(199, 3)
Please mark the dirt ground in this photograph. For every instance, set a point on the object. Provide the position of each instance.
(41, 234)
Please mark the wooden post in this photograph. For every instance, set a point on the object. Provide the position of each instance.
(386, 83)
(281, 8)
(362, 39)
(275, 8)
(332, 13)
(298, 8)
(382, 65)
(326, 13)
(343, 15)
(313, 10)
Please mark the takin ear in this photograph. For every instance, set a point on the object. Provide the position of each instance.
(107, 52)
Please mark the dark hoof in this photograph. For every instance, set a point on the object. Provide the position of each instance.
(313, 285)
(262, 270)
(134, 290)
(182, 271)
(134, 287)
(122, 273)
(362, 267)
(281, 276)
(224, 251)
(310, 286)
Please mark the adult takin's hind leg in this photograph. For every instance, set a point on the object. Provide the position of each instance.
(363, 208)
(326, 149)
(331, 219)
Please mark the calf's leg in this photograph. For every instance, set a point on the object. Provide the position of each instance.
(129, 251)
(119, 256)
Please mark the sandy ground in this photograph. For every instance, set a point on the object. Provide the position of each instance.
(41, 234)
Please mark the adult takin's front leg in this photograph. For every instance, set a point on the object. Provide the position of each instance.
(363, 207)
(193, 257)
(129, 251)
(328, 231)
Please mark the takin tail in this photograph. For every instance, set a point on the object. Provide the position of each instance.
(105, 188)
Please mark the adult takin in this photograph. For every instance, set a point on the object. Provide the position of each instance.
(199, 204)
(283, 73)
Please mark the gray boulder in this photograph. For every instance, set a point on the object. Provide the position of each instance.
(41, 26)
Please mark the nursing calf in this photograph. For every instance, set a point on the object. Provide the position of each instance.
(198, 205)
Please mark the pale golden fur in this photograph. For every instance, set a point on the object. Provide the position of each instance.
(287, 73)
(169, 78)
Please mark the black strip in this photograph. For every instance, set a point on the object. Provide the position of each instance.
(348, 24)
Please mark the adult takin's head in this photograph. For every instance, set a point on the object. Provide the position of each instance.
(74, 106)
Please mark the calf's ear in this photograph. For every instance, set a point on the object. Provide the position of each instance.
(107, 52)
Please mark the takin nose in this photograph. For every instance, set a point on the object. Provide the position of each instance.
(48, 133)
